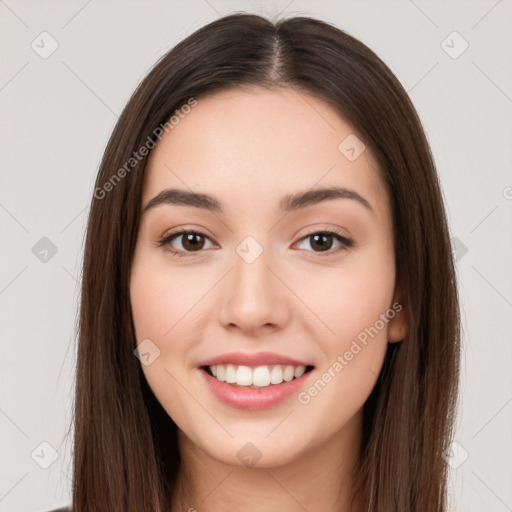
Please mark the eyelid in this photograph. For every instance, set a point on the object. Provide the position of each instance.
(326, 229)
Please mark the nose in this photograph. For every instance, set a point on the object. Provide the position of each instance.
(253, 295)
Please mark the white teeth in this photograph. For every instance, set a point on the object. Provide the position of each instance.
(276, 375)
(244, 376)
(230, 373)
(221, 372)
(299, 371)
(261, 376)
(288, 373)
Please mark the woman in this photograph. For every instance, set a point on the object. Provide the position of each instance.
(269, 314)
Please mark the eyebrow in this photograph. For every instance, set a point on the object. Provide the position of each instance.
(288, 203)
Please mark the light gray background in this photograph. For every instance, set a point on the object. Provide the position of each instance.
(57, 114)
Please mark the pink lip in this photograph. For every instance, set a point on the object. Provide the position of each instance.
(257, 359)
(254, 399)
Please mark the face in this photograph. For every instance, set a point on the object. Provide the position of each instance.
(292, 283)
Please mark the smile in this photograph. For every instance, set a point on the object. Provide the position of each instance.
(256, 377)
(253, 397)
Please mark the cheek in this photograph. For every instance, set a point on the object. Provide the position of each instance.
(163, 311)
(354, 303)
(353, 357)
(348, 300)
(163, 300)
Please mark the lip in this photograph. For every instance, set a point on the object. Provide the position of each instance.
(256, 359)
(254, 399)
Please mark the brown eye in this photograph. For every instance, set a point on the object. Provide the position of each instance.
(190, 241)
(322, 242)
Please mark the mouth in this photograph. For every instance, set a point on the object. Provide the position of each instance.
(255, 377)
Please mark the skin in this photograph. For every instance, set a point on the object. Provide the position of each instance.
(248, 148)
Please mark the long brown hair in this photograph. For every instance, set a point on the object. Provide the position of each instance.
(126, 455)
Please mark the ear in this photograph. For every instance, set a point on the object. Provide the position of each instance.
(398, 326)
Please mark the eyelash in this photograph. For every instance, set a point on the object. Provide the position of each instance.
(346, 242)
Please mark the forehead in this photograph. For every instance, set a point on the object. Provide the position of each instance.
(261, 144)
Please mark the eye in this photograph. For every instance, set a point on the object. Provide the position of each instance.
(322, 240)
(193, 241)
